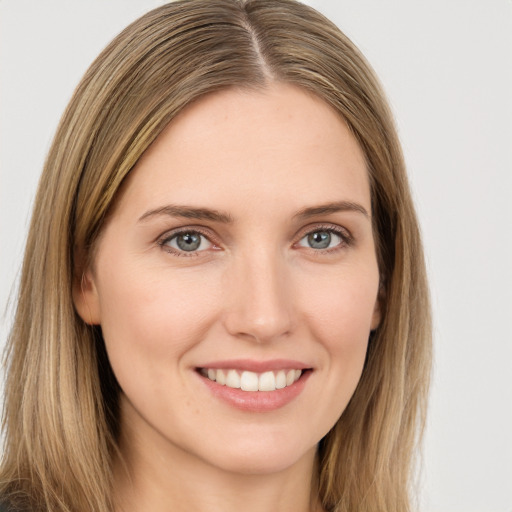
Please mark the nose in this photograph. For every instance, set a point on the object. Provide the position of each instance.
(260, 304)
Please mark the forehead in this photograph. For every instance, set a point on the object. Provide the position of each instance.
(281, 142)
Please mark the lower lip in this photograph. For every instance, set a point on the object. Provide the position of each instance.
(257, 401)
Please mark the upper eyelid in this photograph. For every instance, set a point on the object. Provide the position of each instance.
(163, 242)
(342, 231)
(167, 235)
(323, 226)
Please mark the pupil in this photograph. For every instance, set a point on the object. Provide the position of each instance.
(319, 239)
(188, 241)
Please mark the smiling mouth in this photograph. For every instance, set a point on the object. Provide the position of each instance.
(252, 381)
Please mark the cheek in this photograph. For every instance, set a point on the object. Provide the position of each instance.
(341, 304)
(340, 311)
(153, 316)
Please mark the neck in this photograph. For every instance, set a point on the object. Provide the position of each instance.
(162, 477)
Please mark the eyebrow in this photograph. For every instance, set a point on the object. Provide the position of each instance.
(188, 212)
(325, 209)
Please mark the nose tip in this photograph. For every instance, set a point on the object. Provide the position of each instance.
(261, 303)
(262, 328)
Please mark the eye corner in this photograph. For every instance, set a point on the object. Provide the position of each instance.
(193, 242)
(328, 234)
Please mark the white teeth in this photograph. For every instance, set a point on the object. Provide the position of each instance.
(267, 381)
(280, 379)
(251, 381)
(221, 377)
(233, 379)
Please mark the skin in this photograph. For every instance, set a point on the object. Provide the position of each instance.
(254, 290)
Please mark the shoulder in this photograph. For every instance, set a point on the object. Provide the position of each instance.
(4, 506)
(17, 504)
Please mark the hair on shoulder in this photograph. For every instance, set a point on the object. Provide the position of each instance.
(60, 415)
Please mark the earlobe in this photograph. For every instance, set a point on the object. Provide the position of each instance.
(86, 299)
(377, 310)
(376, 317)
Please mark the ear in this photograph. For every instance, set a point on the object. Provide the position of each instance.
(86, 298)
(377, 310)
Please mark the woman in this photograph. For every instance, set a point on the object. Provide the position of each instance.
(225, 305)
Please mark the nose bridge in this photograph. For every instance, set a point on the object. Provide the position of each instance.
(261, 305)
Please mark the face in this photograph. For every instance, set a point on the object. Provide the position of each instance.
(236, 281)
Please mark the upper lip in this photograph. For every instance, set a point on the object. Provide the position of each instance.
(256, 366)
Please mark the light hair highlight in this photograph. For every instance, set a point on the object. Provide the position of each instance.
(60, 415)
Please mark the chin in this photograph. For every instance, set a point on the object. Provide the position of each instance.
(267, 454)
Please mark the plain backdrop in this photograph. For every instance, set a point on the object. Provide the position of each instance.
(447, 68)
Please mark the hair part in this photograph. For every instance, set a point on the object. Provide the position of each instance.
(60, 415)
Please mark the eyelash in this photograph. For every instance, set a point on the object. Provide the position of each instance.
(344, 235)
(165, 239)
(346, 239)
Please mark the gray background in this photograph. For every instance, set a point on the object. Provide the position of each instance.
(447, 68)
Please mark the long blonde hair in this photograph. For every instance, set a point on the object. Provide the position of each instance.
(60, 415)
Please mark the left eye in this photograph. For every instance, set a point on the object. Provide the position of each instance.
(322, 239)
(188, 241)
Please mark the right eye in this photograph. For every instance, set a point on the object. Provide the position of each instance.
(321, 239)
(186, 242)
